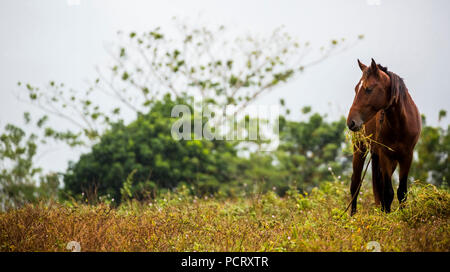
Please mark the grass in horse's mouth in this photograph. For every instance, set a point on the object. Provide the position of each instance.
(361, 142)
(358, 140)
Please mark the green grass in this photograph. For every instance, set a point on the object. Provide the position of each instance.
(180, 222)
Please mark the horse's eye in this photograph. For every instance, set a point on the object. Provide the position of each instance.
(368, 90)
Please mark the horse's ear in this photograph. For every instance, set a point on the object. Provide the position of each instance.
(361, 65)
(373, 66)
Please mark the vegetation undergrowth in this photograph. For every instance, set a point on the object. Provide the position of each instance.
(179, 221)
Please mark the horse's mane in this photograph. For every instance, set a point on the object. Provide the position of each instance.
(398, 87)
(382, 68)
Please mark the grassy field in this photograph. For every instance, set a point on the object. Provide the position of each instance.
(262, 222)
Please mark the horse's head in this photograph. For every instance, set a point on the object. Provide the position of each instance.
(372, 93)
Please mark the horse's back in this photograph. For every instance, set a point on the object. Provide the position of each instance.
(414, 120)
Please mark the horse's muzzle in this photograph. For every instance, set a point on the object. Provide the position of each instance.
(354, 125)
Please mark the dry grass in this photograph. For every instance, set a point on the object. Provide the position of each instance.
(361, 141)
(266, 222)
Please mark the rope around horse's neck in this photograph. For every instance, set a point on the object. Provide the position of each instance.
(359, 186)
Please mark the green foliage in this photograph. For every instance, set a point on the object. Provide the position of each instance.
(125, 191)
(16, 181)
(146, 153)
(309, 149)
(159, 161)
(433, 148)
(18, 174)
(442, 114)
(310, 152)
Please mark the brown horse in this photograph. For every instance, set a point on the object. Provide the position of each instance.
(382, 103)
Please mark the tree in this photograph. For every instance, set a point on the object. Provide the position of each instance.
(432, 160)
(18, 173)
(16, 181)
(206, 62)
(310, 150)
(146, 155)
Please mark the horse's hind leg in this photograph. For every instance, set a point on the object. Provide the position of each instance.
(358, 164)
(405, 165)
(387, 192)
(376, 178)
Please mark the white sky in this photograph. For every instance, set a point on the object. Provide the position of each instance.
(43, 40)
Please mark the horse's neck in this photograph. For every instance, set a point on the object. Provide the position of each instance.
(395, 115)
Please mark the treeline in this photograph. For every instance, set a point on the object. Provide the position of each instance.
(140, 160)
(147, 158)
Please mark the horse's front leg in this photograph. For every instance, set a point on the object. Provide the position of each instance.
(376, 178)
(358, 164)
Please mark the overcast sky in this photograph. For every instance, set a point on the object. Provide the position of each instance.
(61, 40)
